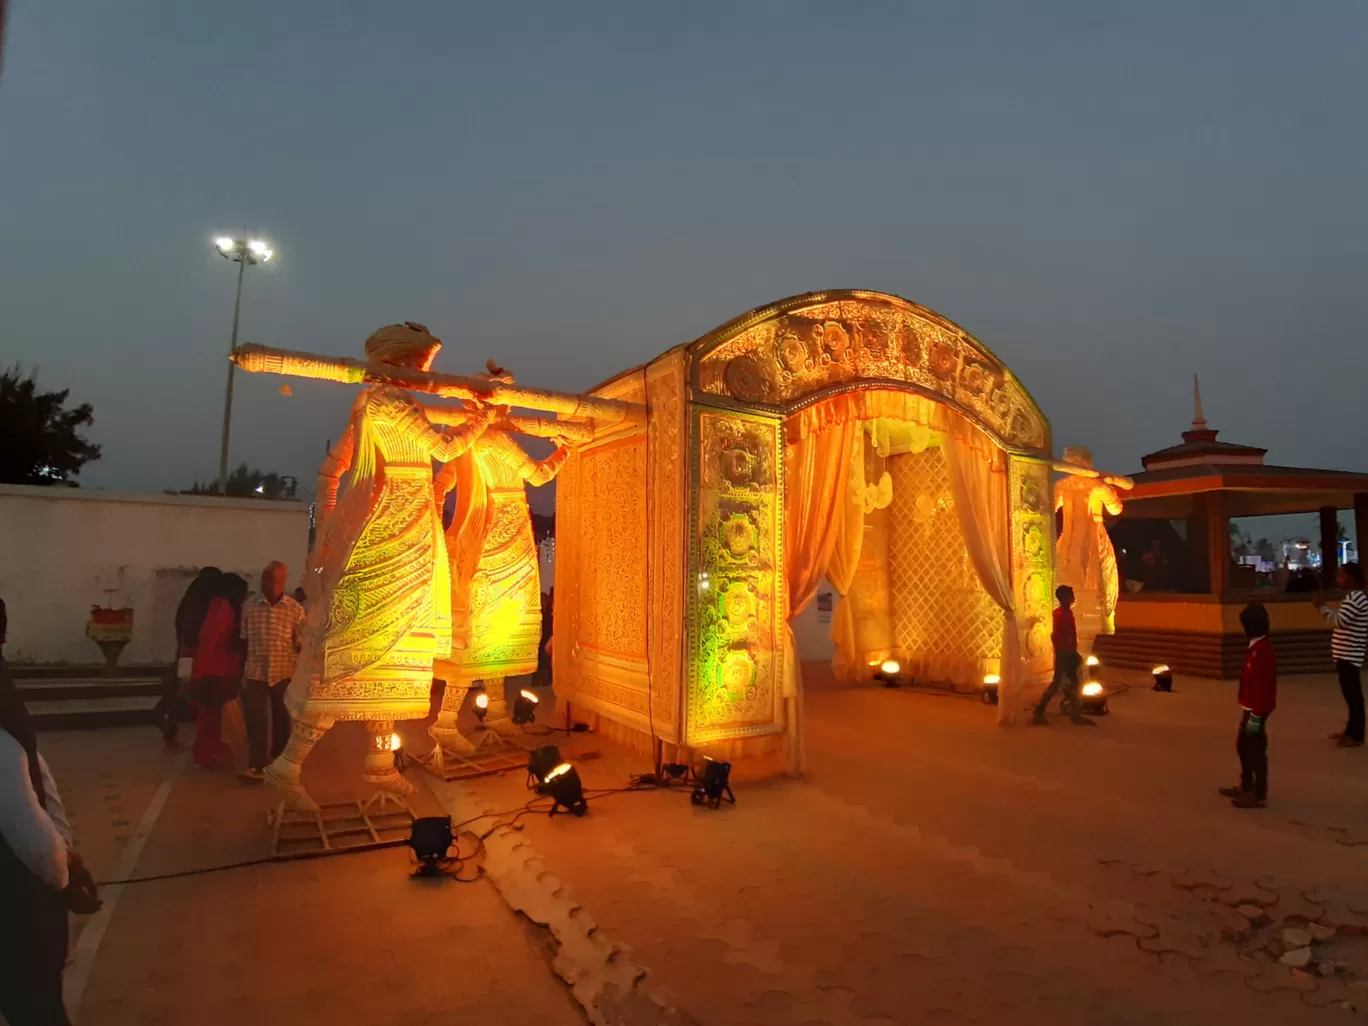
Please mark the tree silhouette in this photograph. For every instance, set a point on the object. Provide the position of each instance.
(39, 443)
(250, 483)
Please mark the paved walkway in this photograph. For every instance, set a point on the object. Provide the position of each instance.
(932, 869)
(350, 939)
(935, 868)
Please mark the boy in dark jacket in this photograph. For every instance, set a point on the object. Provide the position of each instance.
(1258, 698)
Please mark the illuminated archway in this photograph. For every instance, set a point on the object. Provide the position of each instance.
(670, 595)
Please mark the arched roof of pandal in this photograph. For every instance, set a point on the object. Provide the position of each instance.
(785, 356)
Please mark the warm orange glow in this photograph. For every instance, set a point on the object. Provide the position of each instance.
(529, 696)
(1159, 671)
(1092, 689)
(396, 742)
(1094, 661)
(562, 768)
(890, 666)
(992, 680)
(482, 701)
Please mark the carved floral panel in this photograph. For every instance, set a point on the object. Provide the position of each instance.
(780, 360)
(735, 596)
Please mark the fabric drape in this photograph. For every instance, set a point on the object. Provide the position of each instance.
(845, 559)
(982, 506)
(816, 491)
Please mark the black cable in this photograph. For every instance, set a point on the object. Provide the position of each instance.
(538, 804)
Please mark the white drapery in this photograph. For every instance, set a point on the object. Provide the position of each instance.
(816, 495)
(978, 481)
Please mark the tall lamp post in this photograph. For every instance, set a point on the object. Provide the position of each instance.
(243, 252)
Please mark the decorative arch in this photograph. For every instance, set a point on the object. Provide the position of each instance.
(780, 358)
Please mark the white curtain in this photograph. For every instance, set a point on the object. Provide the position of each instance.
(817, 468)
(845, 560)
(979, 485)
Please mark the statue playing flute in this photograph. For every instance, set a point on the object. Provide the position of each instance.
(379, 581)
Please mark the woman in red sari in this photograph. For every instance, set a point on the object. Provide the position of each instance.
(217, 671)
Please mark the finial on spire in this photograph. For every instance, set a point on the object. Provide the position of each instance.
(1198, 421)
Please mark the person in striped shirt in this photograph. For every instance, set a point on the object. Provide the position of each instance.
(1347, 644)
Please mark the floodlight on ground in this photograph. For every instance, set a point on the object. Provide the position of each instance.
(1092, 661)
(713, 784)
(431, 840)
(540, 762)
(525, 707)
(1093, 698)
(990, 688)
(888, 672)
(481, 706)
(1163, 678)
(563, 785)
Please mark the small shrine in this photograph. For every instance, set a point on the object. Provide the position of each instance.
(1182, 590)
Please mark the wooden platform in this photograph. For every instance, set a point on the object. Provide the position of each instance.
(494, 753)
(382, 821)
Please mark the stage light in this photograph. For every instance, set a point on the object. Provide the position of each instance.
(1163, 678)
(540, 762)
(713, 785)
(990, 688)
(888, 673)
(1092, 661)
(563, 785)
(525, 707)
(1093, 698)
(481, 706)
(430, 840)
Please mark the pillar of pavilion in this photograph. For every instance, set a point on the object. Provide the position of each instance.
(1182, 590)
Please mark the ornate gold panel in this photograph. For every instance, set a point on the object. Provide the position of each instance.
(1032, 559)
(735, 642)
(620, 562)
(779, 356)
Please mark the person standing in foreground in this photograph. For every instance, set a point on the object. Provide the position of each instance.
(216, 672)
(41, 878)
(271, 624)
(1068, 663)
(1347, 644)
(1258, 698)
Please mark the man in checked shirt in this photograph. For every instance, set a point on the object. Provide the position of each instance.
(271, 623)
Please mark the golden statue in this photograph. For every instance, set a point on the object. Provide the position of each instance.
(1085, 559)
(378, 588)
(496, 590)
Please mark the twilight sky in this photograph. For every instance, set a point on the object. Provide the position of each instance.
(1112, 197)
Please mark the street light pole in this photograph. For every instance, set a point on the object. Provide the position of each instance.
(244, 252)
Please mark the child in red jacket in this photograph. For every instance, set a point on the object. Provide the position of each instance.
(1258, 697)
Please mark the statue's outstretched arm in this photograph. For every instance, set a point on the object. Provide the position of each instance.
(1111, 502)
(539, 472)
(445, 416)
(445, 446)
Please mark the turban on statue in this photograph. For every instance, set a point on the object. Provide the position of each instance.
(1078, 455)
(401, 343)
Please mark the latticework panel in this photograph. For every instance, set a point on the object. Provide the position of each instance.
(945, 627)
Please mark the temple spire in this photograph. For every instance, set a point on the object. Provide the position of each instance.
(1198, 421)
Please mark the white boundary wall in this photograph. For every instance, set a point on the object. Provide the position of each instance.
(63, 550)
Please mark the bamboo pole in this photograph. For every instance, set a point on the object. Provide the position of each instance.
(1115, 480)
(259, 359)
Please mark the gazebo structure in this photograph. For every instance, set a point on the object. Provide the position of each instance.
(1183, 592)
(848, 436)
